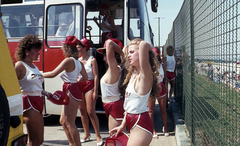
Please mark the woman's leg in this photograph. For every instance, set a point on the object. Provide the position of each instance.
(162, 103)
(166, 88)
(67, 120)
(112, 123)
(84, 117)
(172, 84)
(91, 104)
(62, 121)
(151, 106)
(35, 127)
(139, 137)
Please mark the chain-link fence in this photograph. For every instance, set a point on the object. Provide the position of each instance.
(206, 37)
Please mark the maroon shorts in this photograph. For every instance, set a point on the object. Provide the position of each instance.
(105, 36)
(86, 86)
(142, 120)
(115, 109)
(162, 93)
(34, 102)
(74, 90)
(170, 75)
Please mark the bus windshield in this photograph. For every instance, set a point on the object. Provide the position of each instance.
(138, 20)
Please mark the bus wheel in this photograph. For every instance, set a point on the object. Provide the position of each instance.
(4, 118)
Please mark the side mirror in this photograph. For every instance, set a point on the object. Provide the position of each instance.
(154, 5)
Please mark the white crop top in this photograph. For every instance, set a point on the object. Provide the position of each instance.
(161, 74)
(31, 84)
(104, 29)
(88, 68)
(110, 92)
(170, 63)
(134, 103)
(71, 77)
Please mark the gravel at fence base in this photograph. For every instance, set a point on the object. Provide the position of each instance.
(180, 132)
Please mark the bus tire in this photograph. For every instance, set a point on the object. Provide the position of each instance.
(4, 118)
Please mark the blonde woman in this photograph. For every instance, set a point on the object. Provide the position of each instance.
(142, 82)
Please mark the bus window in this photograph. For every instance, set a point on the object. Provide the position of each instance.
(95, 32)
(13, 27)
(138, 21)
(65, 20)
(36, 20)
(20, 20)
(62, 22)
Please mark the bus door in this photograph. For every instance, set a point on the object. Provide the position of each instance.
(61, 19)
(138, 21)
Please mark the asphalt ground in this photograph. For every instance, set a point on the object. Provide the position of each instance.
(54, 134)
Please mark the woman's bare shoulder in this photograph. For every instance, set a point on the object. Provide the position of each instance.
(19, 65)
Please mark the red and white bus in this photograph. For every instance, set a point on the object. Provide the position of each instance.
(46, 18)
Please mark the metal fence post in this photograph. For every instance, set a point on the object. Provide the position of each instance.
(192, 71)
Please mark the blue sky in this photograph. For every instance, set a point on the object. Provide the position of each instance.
(167, 11)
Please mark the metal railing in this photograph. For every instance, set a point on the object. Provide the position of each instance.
(206, 37)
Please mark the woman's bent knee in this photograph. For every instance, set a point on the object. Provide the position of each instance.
(62, 122)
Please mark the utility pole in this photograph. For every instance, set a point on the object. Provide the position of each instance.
(159, 31)
(159, 41)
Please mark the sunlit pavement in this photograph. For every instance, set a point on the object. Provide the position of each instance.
(54, 134)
